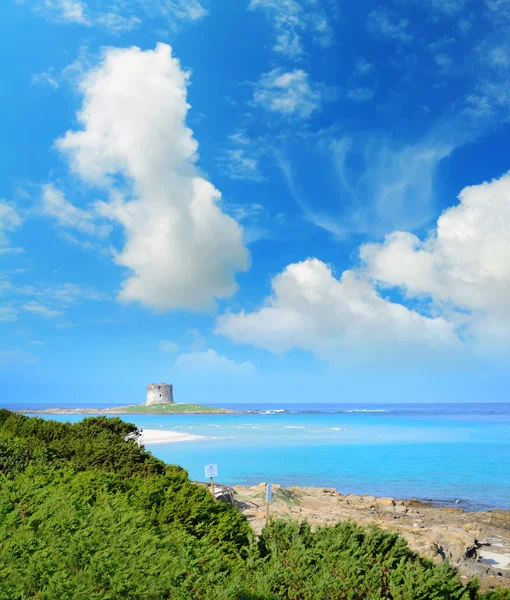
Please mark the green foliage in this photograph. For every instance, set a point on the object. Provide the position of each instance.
(496, 595)
(87, 515)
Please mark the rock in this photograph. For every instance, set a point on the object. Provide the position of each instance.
(386, 502)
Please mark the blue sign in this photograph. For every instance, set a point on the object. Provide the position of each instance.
(269, 490)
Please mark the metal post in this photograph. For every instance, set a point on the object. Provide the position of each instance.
(212, 488)
(268, 498)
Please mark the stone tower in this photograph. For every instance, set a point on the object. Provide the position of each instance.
(159, 393)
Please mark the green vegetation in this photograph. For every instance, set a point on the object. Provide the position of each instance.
(169, 408)
(86, 515)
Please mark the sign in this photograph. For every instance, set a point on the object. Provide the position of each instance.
(211, 471)
(269, 491)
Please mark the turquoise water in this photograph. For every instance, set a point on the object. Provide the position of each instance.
(456, 454)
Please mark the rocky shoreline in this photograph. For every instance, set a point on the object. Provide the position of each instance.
(477, 543)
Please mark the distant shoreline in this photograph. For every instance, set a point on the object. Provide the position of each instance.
(173, 408)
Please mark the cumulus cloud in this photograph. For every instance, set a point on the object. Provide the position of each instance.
(181, 249)
(289, 93)
(464, 265)
(341, 320)
(211, 363)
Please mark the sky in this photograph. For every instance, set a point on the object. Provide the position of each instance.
(255, 200)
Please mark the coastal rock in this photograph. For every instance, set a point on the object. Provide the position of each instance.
(439, 533)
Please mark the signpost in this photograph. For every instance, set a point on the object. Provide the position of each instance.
(269, 491)
(211, 471)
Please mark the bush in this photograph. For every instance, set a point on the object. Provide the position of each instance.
(85, 514)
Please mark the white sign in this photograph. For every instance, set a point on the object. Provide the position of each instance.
(211, 471)
(269, 491)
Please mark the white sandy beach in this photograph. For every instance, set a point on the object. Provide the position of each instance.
(160, 436)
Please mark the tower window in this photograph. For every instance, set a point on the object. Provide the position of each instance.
(160, 395)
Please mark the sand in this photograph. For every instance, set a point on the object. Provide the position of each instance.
(161, 436)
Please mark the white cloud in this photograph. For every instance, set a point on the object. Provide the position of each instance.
(46, 78)
(198, 340)
(40, 309)
(363, 67)
(449, 7)
(16, 250)
(463, 266)
(8, 314)
(381, 22)
(241, 160)
(118, 18)
(68, 293)
(360, 94)
(55, 204)
(10, 220)
(500, 8)
(186, 10)
(390, 187)
(238, 164)
(11, 358)
(167, 346)
(66, 11)
(291, 19)
(211, 363)
(341, 320)
(182, 250)
(288, 93)
(117, 23)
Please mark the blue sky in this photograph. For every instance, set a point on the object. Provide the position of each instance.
(292, 200)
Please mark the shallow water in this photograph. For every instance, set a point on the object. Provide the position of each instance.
(455, 453)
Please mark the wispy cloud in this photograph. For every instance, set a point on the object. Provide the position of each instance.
(115, 22)
(168, 346)
(291, 19)
(363, 66)
(46, 78)
(291, 93)
(54, 204)
(241, 159)
(360, 94)
(211, 363)
(10, 220)
(12, 358)
(119, 17)
(40, 309)
(8, 314)
(385, 24)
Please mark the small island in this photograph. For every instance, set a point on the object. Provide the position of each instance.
(160, 401)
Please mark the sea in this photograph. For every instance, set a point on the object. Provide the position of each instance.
(447, 454)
